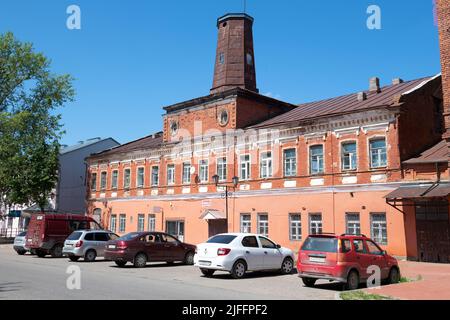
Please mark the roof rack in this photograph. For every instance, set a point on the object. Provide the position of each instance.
(356, 235)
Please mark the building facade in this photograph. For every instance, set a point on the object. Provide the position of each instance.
(239, 161)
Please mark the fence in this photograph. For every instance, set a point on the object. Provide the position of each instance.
(10, 232)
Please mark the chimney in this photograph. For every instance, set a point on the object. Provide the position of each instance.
(374, 85)
(235, 60)
(397, 81)
(443, 14)
(362, 96)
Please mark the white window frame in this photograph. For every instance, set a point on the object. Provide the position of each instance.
(138, 175)
(263, 225)
(151, 222)
(353, 158)
(297, 225)
(352, 226)
(320, 159)
(379, 165)
(141, 222)
(315, 226)
(203, 170)
(122, 223)
(125, 170)
(292, 166)
(246, 168)
(157, 176)
(186, 179)
(94, 181)
(246, 225)
(265, 165)
(114, 178)
(113, 223)
(378, 230)
(170, 169)
(221, 168)
(103, 182)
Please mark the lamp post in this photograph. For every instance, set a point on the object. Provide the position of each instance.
(227, 193)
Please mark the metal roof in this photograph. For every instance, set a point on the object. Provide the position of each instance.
(348, 103)
(436, 154)
(420, 192)
(83, 144)
(146, 143)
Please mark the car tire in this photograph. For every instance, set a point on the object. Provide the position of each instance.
(239, 269)
(56, 251)
(90, 256)
(309, 282)
(189, 258)
(21, 252)
(352, 281)
(140, 260)
(41, 253)
(394, 276)
(120, 264)
(74, 258)
(208, 272)
(287, 266)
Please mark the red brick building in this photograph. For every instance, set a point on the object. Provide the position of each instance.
(372, 162)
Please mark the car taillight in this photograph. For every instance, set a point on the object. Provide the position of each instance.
(121, 246)
(79, 244)
(42, 236)
(196, 250)
(223, 251)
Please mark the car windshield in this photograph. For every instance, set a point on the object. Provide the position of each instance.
(322, 244)
(22, 234)
(129, 236)
(75, 236)
(222, 239)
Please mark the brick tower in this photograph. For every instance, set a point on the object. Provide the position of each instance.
(443, 12)
(235, 60)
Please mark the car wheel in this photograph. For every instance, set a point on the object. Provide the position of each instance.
(120, 264)
(21, 252)
(352, 281)
(287, 266)
(309, 282)
(394, 276)
(56, 251)
(90, 256)
(74, 258)
(140, 261)
(239, 269)
(40, 253)
(208, 272)
(189, 258)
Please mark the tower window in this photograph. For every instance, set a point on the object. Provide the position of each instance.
(249, 59)
(223, 118)
(222, 58)
(174, 127)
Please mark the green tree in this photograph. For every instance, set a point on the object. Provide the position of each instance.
(30, 127)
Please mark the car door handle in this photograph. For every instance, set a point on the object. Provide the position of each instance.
(265, 252)
(247, 252)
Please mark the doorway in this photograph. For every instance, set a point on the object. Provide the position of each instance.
(433, 231)
(217, 226)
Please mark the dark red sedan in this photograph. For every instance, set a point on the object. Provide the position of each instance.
(142, 247)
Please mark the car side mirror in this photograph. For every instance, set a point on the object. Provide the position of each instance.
(384, 252)
(278, 246)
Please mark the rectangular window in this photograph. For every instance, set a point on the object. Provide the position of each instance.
(295, 227)
(94, 181)
(140, 222)
(353, 224)
(378, 228)
(151, 222)
(186, 173)
(315, 223)
(263, 224)
(113, 223)
(222, 169)
(290, 163)
(155, 176)
(126, 178)
(140, 177)
(203, 170)
(349, 157)
(316, 159)
(122, 222)
(378, 157)
(265, 168)
(114, 179)
(170, 174)
(103, 180)
(245, 167)
(246, 223)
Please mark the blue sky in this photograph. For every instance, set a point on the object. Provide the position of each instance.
(133, 57)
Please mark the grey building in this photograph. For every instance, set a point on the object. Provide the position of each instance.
(71, 189)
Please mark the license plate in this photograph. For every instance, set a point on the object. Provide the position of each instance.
(204, 263)
(317, 260)
(69, 245)
(111, 246)
(29, 240)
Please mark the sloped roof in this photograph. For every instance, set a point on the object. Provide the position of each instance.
(146, 143)
(83, 144)
(436, 154)
(347, 103)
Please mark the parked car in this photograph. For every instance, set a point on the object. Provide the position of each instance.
(238, 253)
(345, 259)
(87, 244)
(19, 243)
(142, 247)
(47, 232)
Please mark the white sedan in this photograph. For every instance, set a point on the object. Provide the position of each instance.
(238, 253)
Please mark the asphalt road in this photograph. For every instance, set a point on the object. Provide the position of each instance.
(30, 277)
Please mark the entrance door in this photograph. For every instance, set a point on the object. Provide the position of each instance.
(216, 227)
(176, 229)
(433, 232)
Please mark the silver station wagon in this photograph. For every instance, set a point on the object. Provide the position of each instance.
(87, 244)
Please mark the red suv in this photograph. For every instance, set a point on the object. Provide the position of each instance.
(345, 259)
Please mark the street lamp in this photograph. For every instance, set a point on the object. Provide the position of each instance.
(235, 181)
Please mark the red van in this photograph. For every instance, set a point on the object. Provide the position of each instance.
(47, 232)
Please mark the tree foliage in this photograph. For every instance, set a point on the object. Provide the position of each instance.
(30, 127)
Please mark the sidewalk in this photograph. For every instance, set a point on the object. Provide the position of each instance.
(434, 283)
